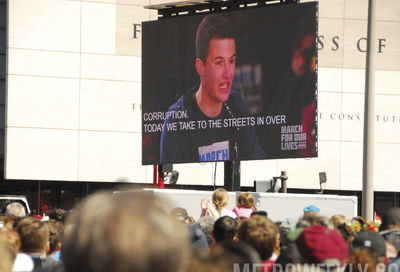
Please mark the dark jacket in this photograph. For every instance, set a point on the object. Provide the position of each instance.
(212, 139)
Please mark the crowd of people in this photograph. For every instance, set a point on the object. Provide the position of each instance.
(137, 231)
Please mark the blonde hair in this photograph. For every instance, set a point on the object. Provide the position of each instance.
(8, 254)
(220, 199)
(246, 200)
(11, 237)
(338, 219)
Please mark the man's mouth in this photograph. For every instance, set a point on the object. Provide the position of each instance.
(224, 85)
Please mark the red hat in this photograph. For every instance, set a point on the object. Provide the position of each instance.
(37, 216)
(319, 243)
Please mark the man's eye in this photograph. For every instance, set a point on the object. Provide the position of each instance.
(232, 61)
(220, 62)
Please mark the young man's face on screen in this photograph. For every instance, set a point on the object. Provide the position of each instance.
(219, 69)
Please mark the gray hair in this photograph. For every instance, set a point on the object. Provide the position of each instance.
(15, 209)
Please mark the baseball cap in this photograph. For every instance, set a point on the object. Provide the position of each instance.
(318, 243)
(311, 208)
(371, 240)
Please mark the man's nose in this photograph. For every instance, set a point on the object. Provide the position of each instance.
(228, 70)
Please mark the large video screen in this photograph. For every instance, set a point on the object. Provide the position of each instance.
(232, 85)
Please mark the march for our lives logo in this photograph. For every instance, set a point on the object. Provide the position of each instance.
(216, 152)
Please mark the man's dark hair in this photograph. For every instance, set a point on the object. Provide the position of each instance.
(262, 213)
(212, 26)
(56, 232)
(224, 229)
(225, 256)
(56, 214)
(391, 219)
(34, 235)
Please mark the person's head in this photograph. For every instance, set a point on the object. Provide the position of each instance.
(206, 224)
(198, 239)
(220, 199)
(56, 214)
(348, 230)
(213, 26)
(127, 232)
(15, 209)
(34, 235)
(319, 244)
(180, 213)
(361, 220)
(289, 255)
(224, 229)
(313, 219)
(337, 220)
(261, 233)
(65, 216)
(245, 199)
(11, 222)
(216, 56)
(361, 260)
(391, 219)
(10, 237)
(287, 226)
(10, 243)
(392, 238)
(226, 257)
(56, 231)
(238, 253)
(372, 241)
(8, 255)
(311, 210)
(262, 213)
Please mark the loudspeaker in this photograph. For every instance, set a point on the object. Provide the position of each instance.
(262, 186)
(322, 177)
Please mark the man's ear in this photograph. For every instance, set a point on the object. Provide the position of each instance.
(199, 67)
(58, 246)
(47, 247)
(277, 243)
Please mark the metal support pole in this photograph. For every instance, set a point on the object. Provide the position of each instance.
(155, 176)
(369, 115)
(232, 175)
(38, 198)
(284, 179)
